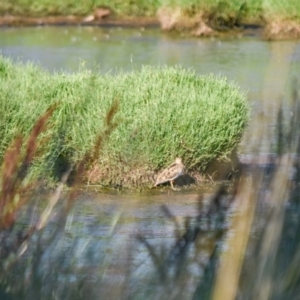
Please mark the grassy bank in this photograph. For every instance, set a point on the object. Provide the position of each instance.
(199, 18)
(239, 10)
(163, 113)
(73, 7)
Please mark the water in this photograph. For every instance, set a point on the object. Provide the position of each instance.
(106, 226)
(242, 59)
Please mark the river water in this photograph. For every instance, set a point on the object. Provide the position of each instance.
(106, 225)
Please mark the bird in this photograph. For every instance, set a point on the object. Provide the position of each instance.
(172, 172)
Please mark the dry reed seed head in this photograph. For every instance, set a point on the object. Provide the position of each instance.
(37, 129)
(96, 150)
(12, 158)
(12, 172)
(110, 127)
(111, 113)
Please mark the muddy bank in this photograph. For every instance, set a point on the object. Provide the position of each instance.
(10, 20)
(200, 25)
(280, 30)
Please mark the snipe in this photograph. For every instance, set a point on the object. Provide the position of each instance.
(172, 172)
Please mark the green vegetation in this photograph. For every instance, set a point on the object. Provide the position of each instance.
(282, 9)
(163, 113)
(66, 7)
(281, 19)
(245, 9)
(221, 11)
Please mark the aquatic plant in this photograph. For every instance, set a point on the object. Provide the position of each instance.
(164, 112)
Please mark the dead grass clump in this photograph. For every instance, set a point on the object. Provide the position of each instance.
(207, 20)
(282, 29)
(127, 176)
(179, 20)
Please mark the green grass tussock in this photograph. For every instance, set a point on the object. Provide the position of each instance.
(164, 112)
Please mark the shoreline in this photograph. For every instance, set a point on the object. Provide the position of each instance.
(275, 30)
(15, 21)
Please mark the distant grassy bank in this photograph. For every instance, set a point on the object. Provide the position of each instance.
(207, 17)
(163, 113)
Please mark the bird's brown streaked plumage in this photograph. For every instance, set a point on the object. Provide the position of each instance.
(172, 172)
